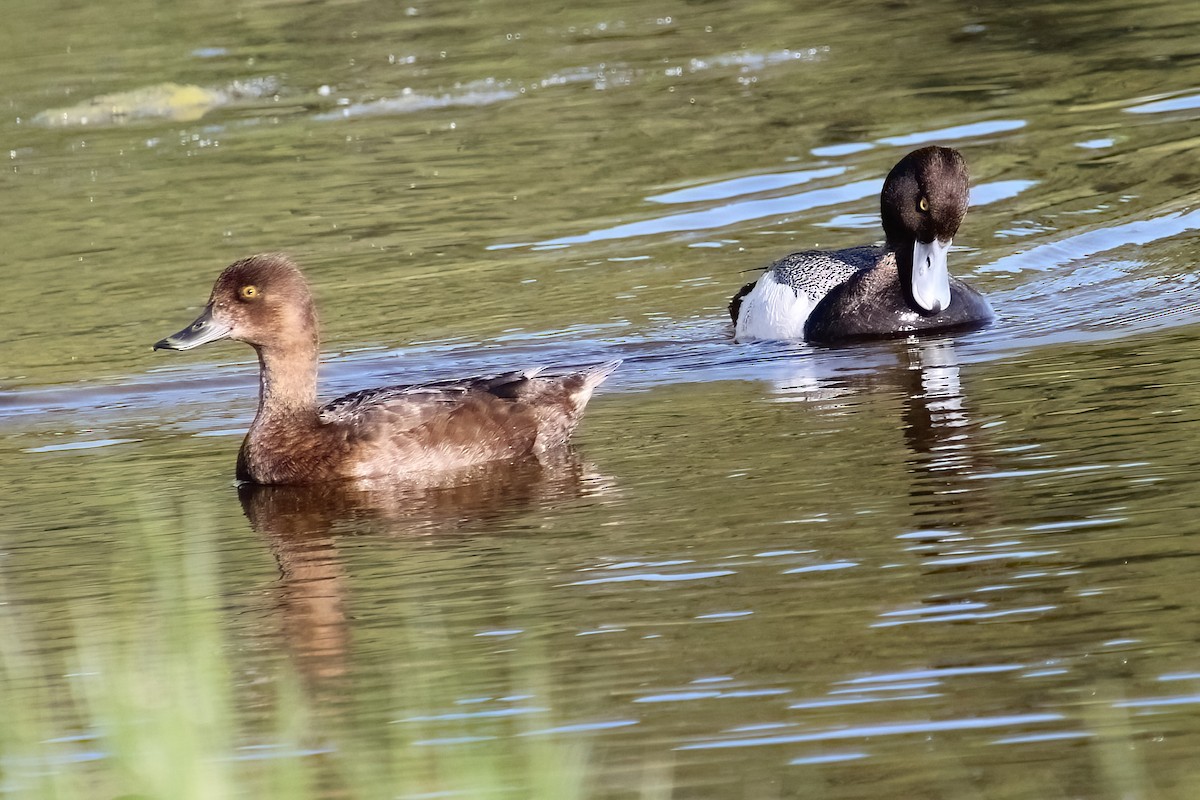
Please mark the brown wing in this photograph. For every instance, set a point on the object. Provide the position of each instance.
(458, 423)
(421, 397)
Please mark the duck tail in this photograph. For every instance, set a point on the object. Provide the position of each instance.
(563, 400)
(579, 385)
(594, 376)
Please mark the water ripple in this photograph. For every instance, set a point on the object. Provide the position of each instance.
(969, 616)
(656, 577)
(1155, 702)
(582, 727)
(884, 729)
(936, 672)
(970, 131)
(753, 184)
(1181, 103)
(836, 702)
(1074, 248)
(828, 758)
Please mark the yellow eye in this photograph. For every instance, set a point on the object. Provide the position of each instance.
(924, 204)
(249, 292)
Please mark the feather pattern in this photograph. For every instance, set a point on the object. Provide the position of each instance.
(895, 289)
(777, 305)
(392, 432)
(348, 406)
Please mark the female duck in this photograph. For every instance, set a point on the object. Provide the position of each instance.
(870, 292)
(394, 431)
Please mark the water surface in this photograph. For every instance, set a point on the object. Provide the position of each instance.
(916, 568)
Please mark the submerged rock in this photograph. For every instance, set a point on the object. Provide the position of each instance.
(169, 101)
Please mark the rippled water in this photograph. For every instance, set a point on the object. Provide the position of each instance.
(952, 567)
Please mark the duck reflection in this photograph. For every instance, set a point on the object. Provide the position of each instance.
(945, 442)
(945, 439)
(936, 416)
(304, 525)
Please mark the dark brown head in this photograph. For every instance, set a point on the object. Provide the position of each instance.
(922, 204)
(262, 300)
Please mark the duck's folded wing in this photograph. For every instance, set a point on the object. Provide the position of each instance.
(411, 405)
(817, 271)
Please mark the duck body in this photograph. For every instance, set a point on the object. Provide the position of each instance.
(870, 304)
(394, 431)
(400, 430)
(777, 305)
(897, 288)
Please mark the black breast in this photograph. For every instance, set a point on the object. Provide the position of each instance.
(871, 305)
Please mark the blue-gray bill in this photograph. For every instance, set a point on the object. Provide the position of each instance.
(930, 277)
(204, 330)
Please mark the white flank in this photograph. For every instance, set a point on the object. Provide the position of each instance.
(773, 312)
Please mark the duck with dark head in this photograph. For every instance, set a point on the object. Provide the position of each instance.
(395, 431)
(899, 288)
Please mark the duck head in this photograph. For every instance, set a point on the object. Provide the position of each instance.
(922, 204)
(262, 300)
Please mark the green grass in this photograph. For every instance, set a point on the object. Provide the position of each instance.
(145, 701)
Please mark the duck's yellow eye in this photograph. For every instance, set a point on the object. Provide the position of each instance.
(924, 204)
(249, 292)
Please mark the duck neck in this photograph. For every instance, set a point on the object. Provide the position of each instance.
(898, 256)
(287, 382)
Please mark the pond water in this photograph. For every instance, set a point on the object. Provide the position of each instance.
(939, 568)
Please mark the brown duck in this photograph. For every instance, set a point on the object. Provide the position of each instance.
(395, 431)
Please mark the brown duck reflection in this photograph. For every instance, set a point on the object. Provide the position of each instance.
(303, 525)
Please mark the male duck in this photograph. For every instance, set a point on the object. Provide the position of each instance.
(393, 431)
(871, 291)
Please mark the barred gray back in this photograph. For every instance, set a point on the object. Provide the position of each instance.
(816, 272)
